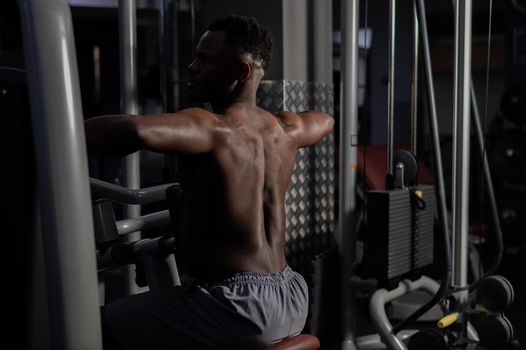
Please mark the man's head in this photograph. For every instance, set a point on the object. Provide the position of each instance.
(233, 52)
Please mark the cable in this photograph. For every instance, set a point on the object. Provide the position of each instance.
(365, 109)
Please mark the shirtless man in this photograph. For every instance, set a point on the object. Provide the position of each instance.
(236, 163)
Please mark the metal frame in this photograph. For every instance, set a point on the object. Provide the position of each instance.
(381, 297)
(128, 76)
(348, 165)
(391, 95)
(461, 146)
(144, 222)
(128, 82)
(128, 195)
(380, 320)
(414, 81)
(349, 20)
(62, 167)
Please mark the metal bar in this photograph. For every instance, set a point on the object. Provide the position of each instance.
(414, 83)
(374, 342)
(322, 41)
(144, 222)
(130, 196)
(128, 59)
(381, 297)
(160, 268)
(348, 164)
(390, 93)
(128, 77)
(461, 145)
(62, 166)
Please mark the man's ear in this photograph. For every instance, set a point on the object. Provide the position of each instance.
(245, 71)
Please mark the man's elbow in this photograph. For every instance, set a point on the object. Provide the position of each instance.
(327, 125)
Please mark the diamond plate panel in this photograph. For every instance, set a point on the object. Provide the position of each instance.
(270, 95)
(310, 197)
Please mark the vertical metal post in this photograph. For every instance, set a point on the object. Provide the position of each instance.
(322, 41)
(63, 184)
(414, 83)
(348, 163)
(390, 94)
(128, 64)
(461, 144)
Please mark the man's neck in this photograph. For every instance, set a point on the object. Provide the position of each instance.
(246, 98)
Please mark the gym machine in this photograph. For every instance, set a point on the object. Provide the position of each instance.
(397, 238)
(154, 258)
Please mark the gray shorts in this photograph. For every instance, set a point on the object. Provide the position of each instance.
(245, 311)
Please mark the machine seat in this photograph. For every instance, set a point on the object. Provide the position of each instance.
(299, 342)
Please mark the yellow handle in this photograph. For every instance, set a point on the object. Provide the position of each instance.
(448, 320)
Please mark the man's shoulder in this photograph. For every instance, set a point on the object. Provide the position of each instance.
(287, 119)
(197, 112)
(285, 115)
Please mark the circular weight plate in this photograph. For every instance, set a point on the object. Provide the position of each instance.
(410, 165)
(494, 331)
(495, 293)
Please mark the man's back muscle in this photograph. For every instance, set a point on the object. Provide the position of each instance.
(234, 211)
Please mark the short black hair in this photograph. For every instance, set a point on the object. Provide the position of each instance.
(247, 35)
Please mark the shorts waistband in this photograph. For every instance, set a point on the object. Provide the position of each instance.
(257, 277)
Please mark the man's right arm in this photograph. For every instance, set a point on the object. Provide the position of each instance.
(307, 128)
(112, 135)
(188, 131)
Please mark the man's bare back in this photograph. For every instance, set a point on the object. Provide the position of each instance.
(235, 169)
(234, 216)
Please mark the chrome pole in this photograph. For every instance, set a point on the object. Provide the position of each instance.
(348, 164)
(128, 77)
(414, 83)
(390, 94)
(461, 146)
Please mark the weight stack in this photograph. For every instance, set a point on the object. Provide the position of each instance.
(423, 241)
(399, 236)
